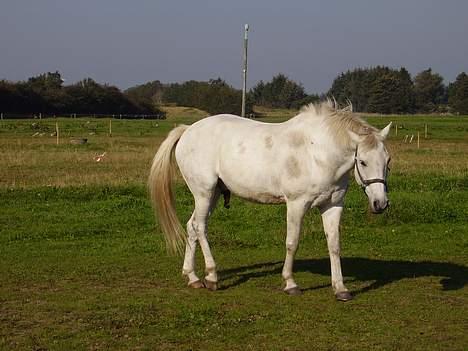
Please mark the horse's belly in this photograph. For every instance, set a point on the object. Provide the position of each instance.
(258, 196)
(252, 183)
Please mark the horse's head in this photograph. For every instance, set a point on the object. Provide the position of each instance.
(371, 161)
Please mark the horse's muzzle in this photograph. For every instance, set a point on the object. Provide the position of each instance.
(379, 206)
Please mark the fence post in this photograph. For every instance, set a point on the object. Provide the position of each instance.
(396, 129)
(57, 132)
(418, 140)
(425, 131)
(110, 128)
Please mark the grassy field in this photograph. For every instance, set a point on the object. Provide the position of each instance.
(83, 265)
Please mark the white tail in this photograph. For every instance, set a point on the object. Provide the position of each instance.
(162, 196)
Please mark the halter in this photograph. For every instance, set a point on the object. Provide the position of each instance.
(367, 182)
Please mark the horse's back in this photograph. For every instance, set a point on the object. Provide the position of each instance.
(237, 150)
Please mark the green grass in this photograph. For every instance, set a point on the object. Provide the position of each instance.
(83, 264)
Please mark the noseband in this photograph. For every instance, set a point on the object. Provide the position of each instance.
(367, 182)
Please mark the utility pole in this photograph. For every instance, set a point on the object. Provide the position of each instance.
(244, 70)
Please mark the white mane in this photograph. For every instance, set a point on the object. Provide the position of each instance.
(339, 121)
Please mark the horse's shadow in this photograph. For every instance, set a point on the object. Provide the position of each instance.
(377, 272)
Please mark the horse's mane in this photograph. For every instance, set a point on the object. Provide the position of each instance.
(339, 120)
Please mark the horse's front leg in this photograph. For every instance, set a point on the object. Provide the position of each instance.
(296, 211)
(331, 216)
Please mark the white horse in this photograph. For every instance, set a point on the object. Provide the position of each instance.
(304, 162)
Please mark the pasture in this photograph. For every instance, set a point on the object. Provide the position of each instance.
(83, 265)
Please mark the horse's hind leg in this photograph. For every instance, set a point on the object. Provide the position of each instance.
(196, 230)
(204, 205)
(189, 261)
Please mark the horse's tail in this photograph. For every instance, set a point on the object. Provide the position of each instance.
(162, 196)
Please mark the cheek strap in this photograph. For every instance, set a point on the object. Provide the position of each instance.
(367, 182)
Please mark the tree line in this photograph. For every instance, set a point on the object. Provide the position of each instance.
(385, 90)
(47, 95)
(377, 89)
(216, 96)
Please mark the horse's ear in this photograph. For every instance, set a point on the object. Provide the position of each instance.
(356, 138)
(384, 132)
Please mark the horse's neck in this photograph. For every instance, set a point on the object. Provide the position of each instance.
(339, 159)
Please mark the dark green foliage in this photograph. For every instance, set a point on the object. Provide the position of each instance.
(214, 96)
(281, 92)
(19, 98)
(46, 94)
(88, 96)
(429, 91)
(390, 92)
(458, 94)
(352, 86)
(148, 94)
(309, 99)
(379, 89)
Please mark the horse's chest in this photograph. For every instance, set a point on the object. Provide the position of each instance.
(329, 197)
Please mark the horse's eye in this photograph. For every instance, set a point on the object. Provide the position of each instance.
(363, 163)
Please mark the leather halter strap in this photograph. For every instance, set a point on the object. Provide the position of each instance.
(367, 182)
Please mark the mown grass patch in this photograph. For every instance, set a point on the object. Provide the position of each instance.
(86, 267)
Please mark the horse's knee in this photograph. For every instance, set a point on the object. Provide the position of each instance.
(191, 231)
(200, 230)
(291, 245)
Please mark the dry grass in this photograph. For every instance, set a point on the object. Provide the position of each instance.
(28, 162)
(441, 157)
(175, 112)
(274, 113)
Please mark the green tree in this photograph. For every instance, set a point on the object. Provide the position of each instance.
(20, 98)
(49, 86)
(378, 89)
(46, 82)
(458, 94)
(148, 94)
(353, 86)
(382, 94)
(214, 96)
(429, 91)
(279, 92)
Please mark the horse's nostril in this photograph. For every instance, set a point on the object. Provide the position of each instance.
(376, 205)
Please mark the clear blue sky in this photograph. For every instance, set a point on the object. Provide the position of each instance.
(125, 42)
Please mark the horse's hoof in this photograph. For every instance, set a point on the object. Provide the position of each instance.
(213, 286)
(344, 296)
(197, 284)
(295, 291)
